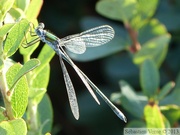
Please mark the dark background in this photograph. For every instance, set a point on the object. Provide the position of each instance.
(63, 17)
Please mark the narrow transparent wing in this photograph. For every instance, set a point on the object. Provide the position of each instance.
(85, 79)
(66, 57)
(91, 38)
(70, 90)
(97, 36)
(74, 44)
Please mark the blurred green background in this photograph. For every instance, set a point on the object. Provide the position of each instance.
(66, 17)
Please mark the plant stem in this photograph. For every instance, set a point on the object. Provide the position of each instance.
(4, 90)
(3, 84)
(32, 117)
(133, 35)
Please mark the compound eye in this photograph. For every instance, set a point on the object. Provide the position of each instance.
(39, 32)
(41, 25)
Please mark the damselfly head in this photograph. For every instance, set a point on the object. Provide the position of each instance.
(40, 29)
(41, 26)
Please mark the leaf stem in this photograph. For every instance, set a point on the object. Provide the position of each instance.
(133, 35)
(4, 91)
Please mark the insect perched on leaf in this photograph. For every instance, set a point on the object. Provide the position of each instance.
(77, 43)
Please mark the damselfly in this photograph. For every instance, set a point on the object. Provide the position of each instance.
(77, 44)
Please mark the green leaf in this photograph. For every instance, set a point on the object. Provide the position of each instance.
(151, 29)
(172, 113)
(4, 30)
(155, 49)
(147, 8)
(15, 37)
(153, 117)
(22, 4)
(45, 113)
(45, 56)
(149, 78)
(28, 66)
(17, 13)
(13, 127)
(173, 97)
(34, 9)
(41, 74)
(121, 10)
(19, 98)
(5, 5)
(39, 84)
(144, 12)
(130, 100)
(165, 90)
(26, 52)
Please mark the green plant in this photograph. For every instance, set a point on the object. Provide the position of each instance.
(146, 40)
(23, 85)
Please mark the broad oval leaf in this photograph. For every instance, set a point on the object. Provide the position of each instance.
(147, 8)
(45, 56)
(27, 51)
(39, 84)
(15, 37)
(46, 117)
(40, 76)
(149, 78)
(19, 95)
(13, 127)
(121, 10)
(155, 49)
(28, 66)
(130, 100)
(153, 117)
(151, 29)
